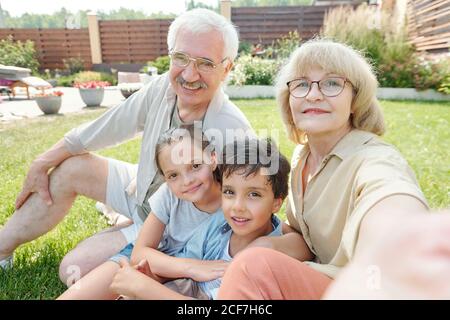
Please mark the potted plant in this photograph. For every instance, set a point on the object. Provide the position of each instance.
(127, 89)
(49, 102)
(92, 92)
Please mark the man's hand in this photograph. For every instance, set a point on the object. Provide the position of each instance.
(204, 270)
(37, 180)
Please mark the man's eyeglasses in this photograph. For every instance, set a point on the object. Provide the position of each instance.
(182, 60)
(329, 87)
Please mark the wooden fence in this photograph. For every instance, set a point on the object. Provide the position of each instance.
(429, 25)
(54, 45)
(133, 41)
(266, 24)
(138, 41)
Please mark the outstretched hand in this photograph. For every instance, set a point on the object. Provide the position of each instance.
(410, 261)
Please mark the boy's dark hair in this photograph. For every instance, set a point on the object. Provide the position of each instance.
(250, 155)
(175, 135)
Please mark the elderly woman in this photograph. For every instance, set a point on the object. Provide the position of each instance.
(348, 188)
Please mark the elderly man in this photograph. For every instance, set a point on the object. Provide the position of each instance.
(202, 46)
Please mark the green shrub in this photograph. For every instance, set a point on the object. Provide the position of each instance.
(397, 74)
(161, 63)
(444, 87)
(431, 74)
(387, 47)
(85, 76)
(245, 47)
(74, 64)
(18, 54)
(111, 78)
(65, 81)
(253, 71)
(283, 47)
(360, 28)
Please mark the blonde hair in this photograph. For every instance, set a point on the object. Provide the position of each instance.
(337, 58)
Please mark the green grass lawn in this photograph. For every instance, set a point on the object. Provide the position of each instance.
(419, 130)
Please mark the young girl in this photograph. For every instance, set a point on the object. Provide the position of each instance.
(190, 195)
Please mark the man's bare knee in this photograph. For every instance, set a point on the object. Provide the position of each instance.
(71, 269)
(89, 254)
(84, 174)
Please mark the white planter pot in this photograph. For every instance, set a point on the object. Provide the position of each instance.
(92, 97)
(49, 105)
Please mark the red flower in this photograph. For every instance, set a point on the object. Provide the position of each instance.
(50, 94)
(91, 84)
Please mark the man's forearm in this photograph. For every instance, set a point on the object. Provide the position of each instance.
(53, 156)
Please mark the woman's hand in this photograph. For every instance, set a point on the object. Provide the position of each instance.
(291, 244)
(408, 261)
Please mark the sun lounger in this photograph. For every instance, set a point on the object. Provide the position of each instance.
(17, 77)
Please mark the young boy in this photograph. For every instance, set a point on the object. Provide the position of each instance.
(254, 185)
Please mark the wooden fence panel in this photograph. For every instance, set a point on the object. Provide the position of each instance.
(266, 24)
(429, 25)
(54, 45)
(133, 41)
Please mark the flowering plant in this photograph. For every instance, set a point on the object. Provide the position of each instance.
(91, 84)
(50, 94)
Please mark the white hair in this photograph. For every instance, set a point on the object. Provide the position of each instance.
(199, 21)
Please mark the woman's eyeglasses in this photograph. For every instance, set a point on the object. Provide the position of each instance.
(329, 87)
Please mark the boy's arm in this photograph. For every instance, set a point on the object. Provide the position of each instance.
(291, 243)
(163, 265)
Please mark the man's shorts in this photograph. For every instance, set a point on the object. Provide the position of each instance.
(120, 175)
(125, 253)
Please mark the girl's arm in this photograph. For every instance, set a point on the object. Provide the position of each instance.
(165, 266)
(131, 283)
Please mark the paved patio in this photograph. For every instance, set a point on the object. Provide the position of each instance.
(20, 108)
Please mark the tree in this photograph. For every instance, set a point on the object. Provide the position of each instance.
(60, 18)
(192, 4)
(271, 3)
(2, 18)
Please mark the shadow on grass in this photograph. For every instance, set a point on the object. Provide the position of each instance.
(85, 108)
